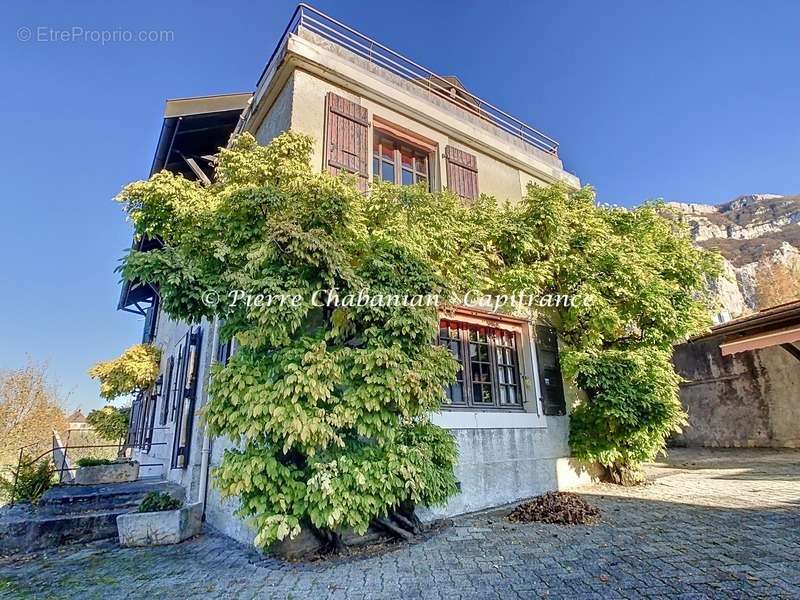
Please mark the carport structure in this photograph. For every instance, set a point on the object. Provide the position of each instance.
(776, 326)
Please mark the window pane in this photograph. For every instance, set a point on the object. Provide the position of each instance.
(399, 157)
(449, 336)
(512, 395)
(376, 168)
(387, 172)
(456, 395)
(482, 393)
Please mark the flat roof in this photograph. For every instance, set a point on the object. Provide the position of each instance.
(449, 87)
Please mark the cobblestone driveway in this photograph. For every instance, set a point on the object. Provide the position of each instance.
(714, 524)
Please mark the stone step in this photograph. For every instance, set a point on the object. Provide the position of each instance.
(64, 499)
(71, 514)
(39, 531)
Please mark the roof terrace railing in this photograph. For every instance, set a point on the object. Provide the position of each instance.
(334, 31)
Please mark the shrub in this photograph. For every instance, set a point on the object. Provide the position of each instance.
(91, 461)
(32, 480)
(157, 502)
(330, 409)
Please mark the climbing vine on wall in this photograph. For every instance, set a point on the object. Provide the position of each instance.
(330, 406)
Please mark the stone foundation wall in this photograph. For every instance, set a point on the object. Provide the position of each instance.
(496, 467)
(750, 399)
(501, 466)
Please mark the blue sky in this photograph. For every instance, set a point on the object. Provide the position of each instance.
(691, 101)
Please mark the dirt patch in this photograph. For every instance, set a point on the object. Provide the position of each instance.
(560, 508)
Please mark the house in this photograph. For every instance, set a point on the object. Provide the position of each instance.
(77, 420)
(742, 382)
(377, 114)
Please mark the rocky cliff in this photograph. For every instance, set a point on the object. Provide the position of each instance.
(752, 233)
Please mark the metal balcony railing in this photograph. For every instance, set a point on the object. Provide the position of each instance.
(338, 33)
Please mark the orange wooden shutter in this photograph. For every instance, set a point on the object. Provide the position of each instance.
(462, 172)
(347, 142)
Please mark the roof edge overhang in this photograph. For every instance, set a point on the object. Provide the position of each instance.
(200, 105)
(759, 341)
(775, 326)
(783, 315)
(177, 111)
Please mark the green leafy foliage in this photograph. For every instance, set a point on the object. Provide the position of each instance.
(642, 288)
(32, 480)
(157, 502)
(134, 371)
(91, 461)
(633, 405)
(110, 422)
(330, 409)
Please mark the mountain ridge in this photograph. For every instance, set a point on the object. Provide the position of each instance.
(753, 233)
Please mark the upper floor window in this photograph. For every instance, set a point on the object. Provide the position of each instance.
(489, 361)
(399, 162)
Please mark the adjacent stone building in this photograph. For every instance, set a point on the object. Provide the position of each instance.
(742, 382)
(378, 115)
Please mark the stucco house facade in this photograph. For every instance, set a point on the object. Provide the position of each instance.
(378, 115)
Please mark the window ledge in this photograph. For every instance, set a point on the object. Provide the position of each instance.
(464, 419)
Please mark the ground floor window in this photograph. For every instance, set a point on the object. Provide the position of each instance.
(489, 360)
